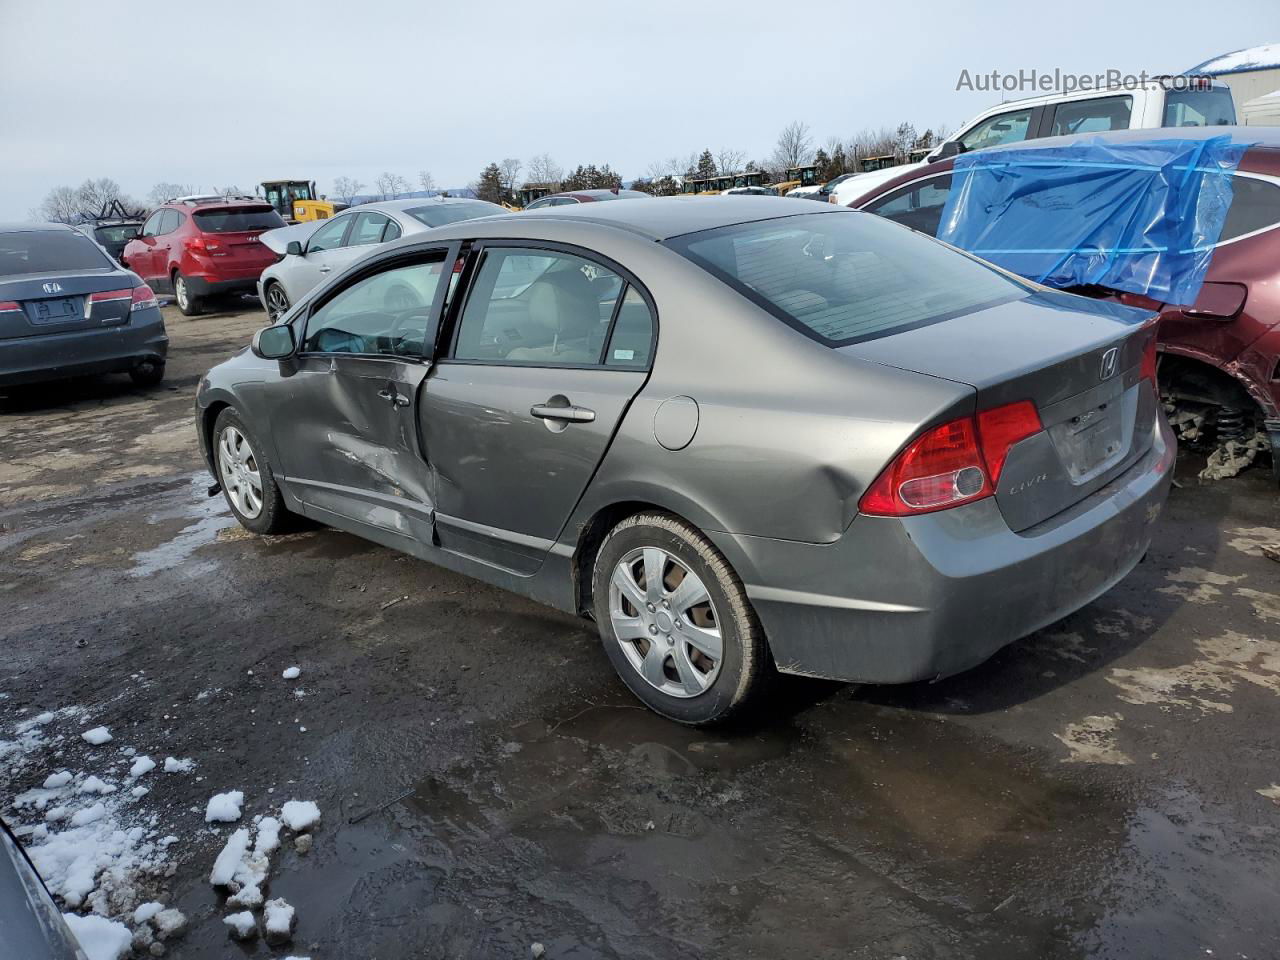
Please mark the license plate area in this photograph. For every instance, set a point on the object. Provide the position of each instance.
(54, 311)
(1090, 439)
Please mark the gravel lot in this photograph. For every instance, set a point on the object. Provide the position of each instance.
(1109, 787)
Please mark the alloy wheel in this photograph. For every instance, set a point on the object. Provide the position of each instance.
(665, 621)
(180, 292)
(239, 472)
(277, 302)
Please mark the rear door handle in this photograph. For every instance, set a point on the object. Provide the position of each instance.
(325, 269)
(393, 398)
(544, 411)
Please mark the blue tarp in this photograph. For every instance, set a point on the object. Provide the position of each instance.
(1136, 216)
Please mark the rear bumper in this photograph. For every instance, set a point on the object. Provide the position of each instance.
(84, 352)
(899, 600)
(216, 286)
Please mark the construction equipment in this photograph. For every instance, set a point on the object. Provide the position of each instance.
(804, 176)
(297, 200)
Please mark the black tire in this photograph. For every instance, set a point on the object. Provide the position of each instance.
(277, 304)
(188, 303)
(273, 516)
(147, 373)
(745, 666)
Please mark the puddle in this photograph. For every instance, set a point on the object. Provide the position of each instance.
(208, 515)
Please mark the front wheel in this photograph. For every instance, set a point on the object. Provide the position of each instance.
(277, 301)
(188, 303)
(246, 477)
(676, 622)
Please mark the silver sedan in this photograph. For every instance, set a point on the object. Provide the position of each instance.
(738, 433)
(313, 251)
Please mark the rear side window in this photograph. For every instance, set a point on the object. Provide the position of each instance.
(1255, 205)
(1091, 116)
(631, 342)
(845, 277)
(170, 220)
(1199, 108)
(121, 233)
(48, 251)
(238, 220)
(918, 205)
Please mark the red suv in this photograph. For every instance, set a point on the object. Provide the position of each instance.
(201, 247)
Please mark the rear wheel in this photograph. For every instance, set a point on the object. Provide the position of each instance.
(246, 477)
(675, 621)
(188, 303)
(147, 373)
(277, 301)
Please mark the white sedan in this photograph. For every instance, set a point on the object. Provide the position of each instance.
(312, 251)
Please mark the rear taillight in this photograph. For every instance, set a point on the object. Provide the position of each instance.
(143, 297)
(201, 244)
(947, 466)
(1150, 357)
(10, 306)
(999, 429)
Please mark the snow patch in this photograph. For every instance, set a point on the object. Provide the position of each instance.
(147, 911)
(279, 920)
(243, 926)
(142, 765)
(178, 766)
(97, 736)
(224, 807)
(292, 673)
(100, 938)
(299, 815)
(94, 785)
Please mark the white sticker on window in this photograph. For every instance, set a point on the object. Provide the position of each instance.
(624, 354)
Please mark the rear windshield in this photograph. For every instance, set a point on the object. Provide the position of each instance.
(845, 277)
(48, 251)
(438, 214)
(117, 234)
(1199, 108)
(238, 219)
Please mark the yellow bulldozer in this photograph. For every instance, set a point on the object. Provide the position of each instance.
(297, 200)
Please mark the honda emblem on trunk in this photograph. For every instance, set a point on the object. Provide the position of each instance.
(1109, 363)
(52, 287)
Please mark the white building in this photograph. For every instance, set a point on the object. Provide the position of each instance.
(1251, 74)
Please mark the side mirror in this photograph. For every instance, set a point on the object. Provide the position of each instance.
(293, 249)
(949, 149)
(273, 343)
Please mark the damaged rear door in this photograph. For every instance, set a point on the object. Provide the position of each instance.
(345, 425)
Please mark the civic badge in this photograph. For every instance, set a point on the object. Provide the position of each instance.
(52, 287)
(1109, 363)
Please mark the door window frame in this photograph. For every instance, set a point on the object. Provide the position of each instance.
(452, 322)
(350, 234)
(402, 258)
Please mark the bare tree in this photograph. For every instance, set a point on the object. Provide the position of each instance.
(542, 169)
(426, 181)
(509, 172)
(729, 161)
(794, 147)
(164, 192)
(391, 185)
(346, 188)
(657, 170)
(98, 195)
(232, 191)
(60, 205)
(870, 142)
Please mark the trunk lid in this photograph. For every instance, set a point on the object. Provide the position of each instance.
(1078, 360)
(49, 303)
(233, 232)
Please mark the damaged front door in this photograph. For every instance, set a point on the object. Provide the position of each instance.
(347, 431)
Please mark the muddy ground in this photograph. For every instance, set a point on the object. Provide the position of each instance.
(1105, 788)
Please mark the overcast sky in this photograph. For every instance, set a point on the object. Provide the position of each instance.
(228, 92)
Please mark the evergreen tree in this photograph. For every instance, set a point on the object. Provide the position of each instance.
(706, 166)
(490, 185)
(823, 163)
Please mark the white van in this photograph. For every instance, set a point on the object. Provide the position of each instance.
(1156, 103)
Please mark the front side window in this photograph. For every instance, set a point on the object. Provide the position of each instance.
(845, 277)
(537, 307)
(1003, 128)
(386, 314)
(916, 205)
(368, 228)
(329, 237)
(1091, 116)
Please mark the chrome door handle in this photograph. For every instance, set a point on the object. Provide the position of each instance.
(544, 411)
(325, 269)
(393, 398)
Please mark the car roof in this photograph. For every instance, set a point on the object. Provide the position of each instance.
(412, 203)
(216, 202)
(667, 217)
(32, 227)
(1256, 136)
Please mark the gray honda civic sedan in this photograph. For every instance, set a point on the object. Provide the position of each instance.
(741, 434)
